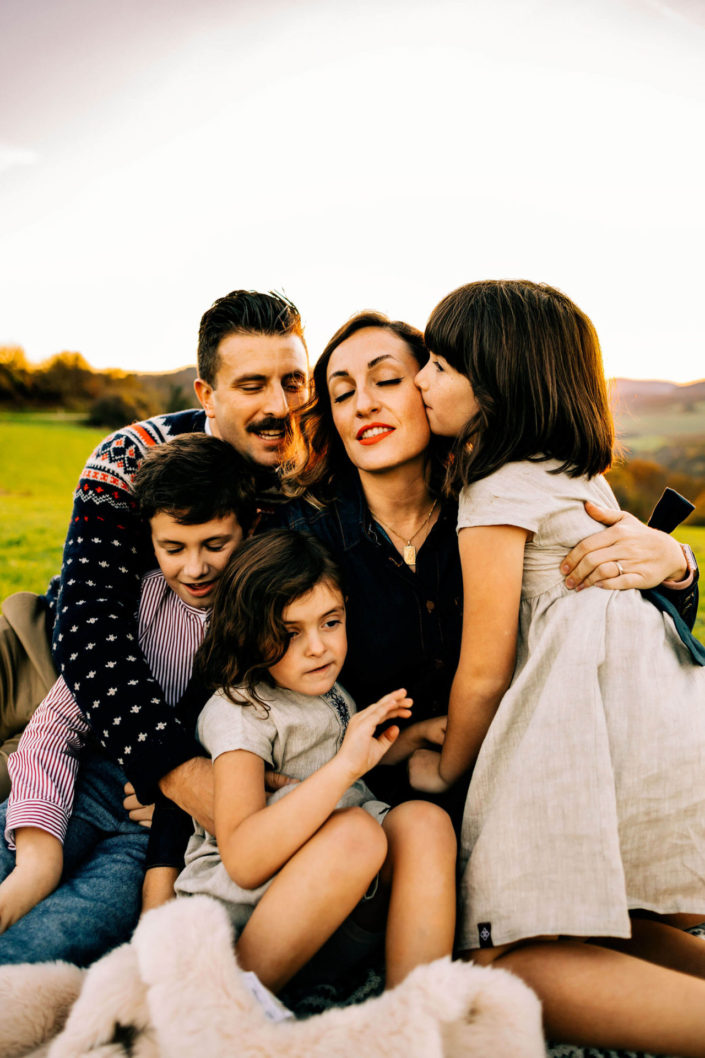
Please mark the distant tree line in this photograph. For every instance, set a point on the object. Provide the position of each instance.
(638, 483)
(107, 398)
(114, 398)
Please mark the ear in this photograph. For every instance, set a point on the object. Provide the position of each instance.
(204, 393)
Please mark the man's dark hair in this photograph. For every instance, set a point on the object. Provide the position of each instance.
(243, 312)
(195, 478)
(247, 634)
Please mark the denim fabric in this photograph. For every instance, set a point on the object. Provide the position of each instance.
(97, 904)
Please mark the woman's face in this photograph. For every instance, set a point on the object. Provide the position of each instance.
(377, 409)
(447, 395)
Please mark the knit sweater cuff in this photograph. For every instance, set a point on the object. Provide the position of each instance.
(146, 771)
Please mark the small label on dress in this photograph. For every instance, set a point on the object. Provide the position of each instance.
(484, 930)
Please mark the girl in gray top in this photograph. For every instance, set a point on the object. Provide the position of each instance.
(292, 867)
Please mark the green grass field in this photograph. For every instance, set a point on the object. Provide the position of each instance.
(41, 457)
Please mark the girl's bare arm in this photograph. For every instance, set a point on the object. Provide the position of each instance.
(255, 839)
(492, 562)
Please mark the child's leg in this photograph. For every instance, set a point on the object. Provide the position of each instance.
(597, 997)
(158, 887)
(661, 943)
(311, 896)
(420, 872)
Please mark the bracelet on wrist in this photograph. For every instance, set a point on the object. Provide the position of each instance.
(691, 572)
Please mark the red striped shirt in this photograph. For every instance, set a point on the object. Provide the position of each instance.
(44, 766)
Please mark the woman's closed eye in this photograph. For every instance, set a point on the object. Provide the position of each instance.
(340, 398)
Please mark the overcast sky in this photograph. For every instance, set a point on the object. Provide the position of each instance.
(155, 154)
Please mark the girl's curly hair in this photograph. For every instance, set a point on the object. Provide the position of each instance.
(247, 634)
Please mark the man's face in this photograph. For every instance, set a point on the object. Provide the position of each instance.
(260, 378)
(193, 557)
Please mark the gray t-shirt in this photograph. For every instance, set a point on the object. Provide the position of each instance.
(294, 734)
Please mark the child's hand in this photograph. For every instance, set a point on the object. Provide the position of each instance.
(432, 730)
(417, 736)
(137, 812)
(424, 771)
(276, 780)
(361, 748)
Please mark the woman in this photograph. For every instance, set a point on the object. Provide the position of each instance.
(369, 482)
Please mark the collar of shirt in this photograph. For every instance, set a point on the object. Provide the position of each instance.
(354, 518)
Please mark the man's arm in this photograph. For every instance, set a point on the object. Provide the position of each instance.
(96, 646)
(191, 787)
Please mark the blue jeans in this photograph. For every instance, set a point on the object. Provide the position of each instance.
(97, 902)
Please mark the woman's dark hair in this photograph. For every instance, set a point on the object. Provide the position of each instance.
(194, 478)
(534, 362)
(314, 457)
(247, 634)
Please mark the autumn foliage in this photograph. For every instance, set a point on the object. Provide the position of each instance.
(66, 381)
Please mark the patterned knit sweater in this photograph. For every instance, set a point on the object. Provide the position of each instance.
(95, 644)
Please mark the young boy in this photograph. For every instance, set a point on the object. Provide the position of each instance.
(196, 495)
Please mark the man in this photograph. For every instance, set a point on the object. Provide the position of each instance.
(253, 369)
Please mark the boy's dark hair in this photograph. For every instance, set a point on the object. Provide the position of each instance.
(247, 634)
(243, 312)
(314, 457)
(194, 478)
(534, 362)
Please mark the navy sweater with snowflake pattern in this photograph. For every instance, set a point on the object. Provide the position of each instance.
(107, 552)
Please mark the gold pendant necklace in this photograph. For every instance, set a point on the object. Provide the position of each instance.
(409, 552)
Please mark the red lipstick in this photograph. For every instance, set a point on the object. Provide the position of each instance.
(383, 427)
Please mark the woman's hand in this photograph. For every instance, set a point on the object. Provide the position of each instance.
(424, 772)
(362, 749)
(628, 554)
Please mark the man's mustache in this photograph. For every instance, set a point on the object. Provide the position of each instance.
(269, 423)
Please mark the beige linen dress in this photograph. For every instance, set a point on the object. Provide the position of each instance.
(588, 796)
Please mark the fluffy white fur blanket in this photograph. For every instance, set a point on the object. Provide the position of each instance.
(176, 992)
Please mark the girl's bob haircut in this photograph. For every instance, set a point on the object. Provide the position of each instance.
(247, 634)
(534, 362)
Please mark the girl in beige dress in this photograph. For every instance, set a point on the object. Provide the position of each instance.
(582, 713)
